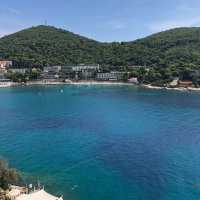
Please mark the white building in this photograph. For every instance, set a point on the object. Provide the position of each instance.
(55, 69)
(19, 70)
(38, 195)
(5, 63)
(3, 78)
(110, 76)
(51, 73)
(133, 80)
(175, 82)
(81, 68)
(104, 76)
(136, 67)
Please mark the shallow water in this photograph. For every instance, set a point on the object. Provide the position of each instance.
(104, 142)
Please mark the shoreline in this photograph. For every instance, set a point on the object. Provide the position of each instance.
(181, 89)
(98, 83)
(8, 84)
(11, 84)
(147, 86)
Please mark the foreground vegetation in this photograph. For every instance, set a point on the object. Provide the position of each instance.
(7, 175)
(164, 76)
(31, 75)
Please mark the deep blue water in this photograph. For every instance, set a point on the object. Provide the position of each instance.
(104, 142)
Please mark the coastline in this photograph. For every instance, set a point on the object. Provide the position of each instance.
(8, 84)
(147, 86)
(181, 89)
(75, 83)
(98, 83)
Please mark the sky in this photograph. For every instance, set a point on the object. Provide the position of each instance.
(102, 20)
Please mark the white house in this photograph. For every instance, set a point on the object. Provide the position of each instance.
(133, 80)
(81, 68)
(38, 195)
(19, 70)
(110, 76)
(5, 63)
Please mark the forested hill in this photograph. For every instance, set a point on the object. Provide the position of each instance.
(44, 45)
(48, 45)
(176, 46)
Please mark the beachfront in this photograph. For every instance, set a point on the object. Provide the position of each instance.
(108, 83)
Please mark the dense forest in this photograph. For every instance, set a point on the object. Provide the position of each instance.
(46, 45)
(168, 54)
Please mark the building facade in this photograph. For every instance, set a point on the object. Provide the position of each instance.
(5, 63)
(19, 70)
(110, 76)
(79, 72)
(55, 69)
(3, 78)
(81, 68)
(66, 72)
(133, 80)
(51, 73)
(85, 72)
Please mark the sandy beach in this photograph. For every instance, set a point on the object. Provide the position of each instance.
(76, 83)
(182, 89)
(98, 83)
(8, 84)
(12, 84)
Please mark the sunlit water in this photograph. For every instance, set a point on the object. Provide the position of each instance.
(104, 142)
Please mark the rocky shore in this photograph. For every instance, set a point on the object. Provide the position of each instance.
(183, 89)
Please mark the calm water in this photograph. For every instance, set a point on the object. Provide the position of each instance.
(104, 142)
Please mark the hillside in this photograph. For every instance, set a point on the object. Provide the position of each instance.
(48, 45)
(180, 45)
(44, 45)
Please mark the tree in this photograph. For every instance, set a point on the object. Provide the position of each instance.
(141, 74)
(186, 74)
(7, 175)
(34, 74)
(125, 77)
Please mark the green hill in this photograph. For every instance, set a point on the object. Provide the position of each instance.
(180, 45)
(44, 45)
(48, 45)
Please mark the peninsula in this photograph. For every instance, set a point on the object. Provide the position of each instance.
(47, 55)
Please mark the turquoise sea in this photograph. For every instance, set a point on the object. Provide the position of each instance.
(104, 142)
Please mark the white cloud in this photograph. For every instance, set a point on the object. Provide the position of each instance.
(3, 33)
(9, 25)
(13, 11)
(10, 21)
(169, 24)
(117, 25)
(185, 8)
(185, 16)
(7, 31)
(9, 12)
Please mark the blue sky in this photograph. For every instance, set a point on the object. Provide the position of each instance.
(103, 20)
